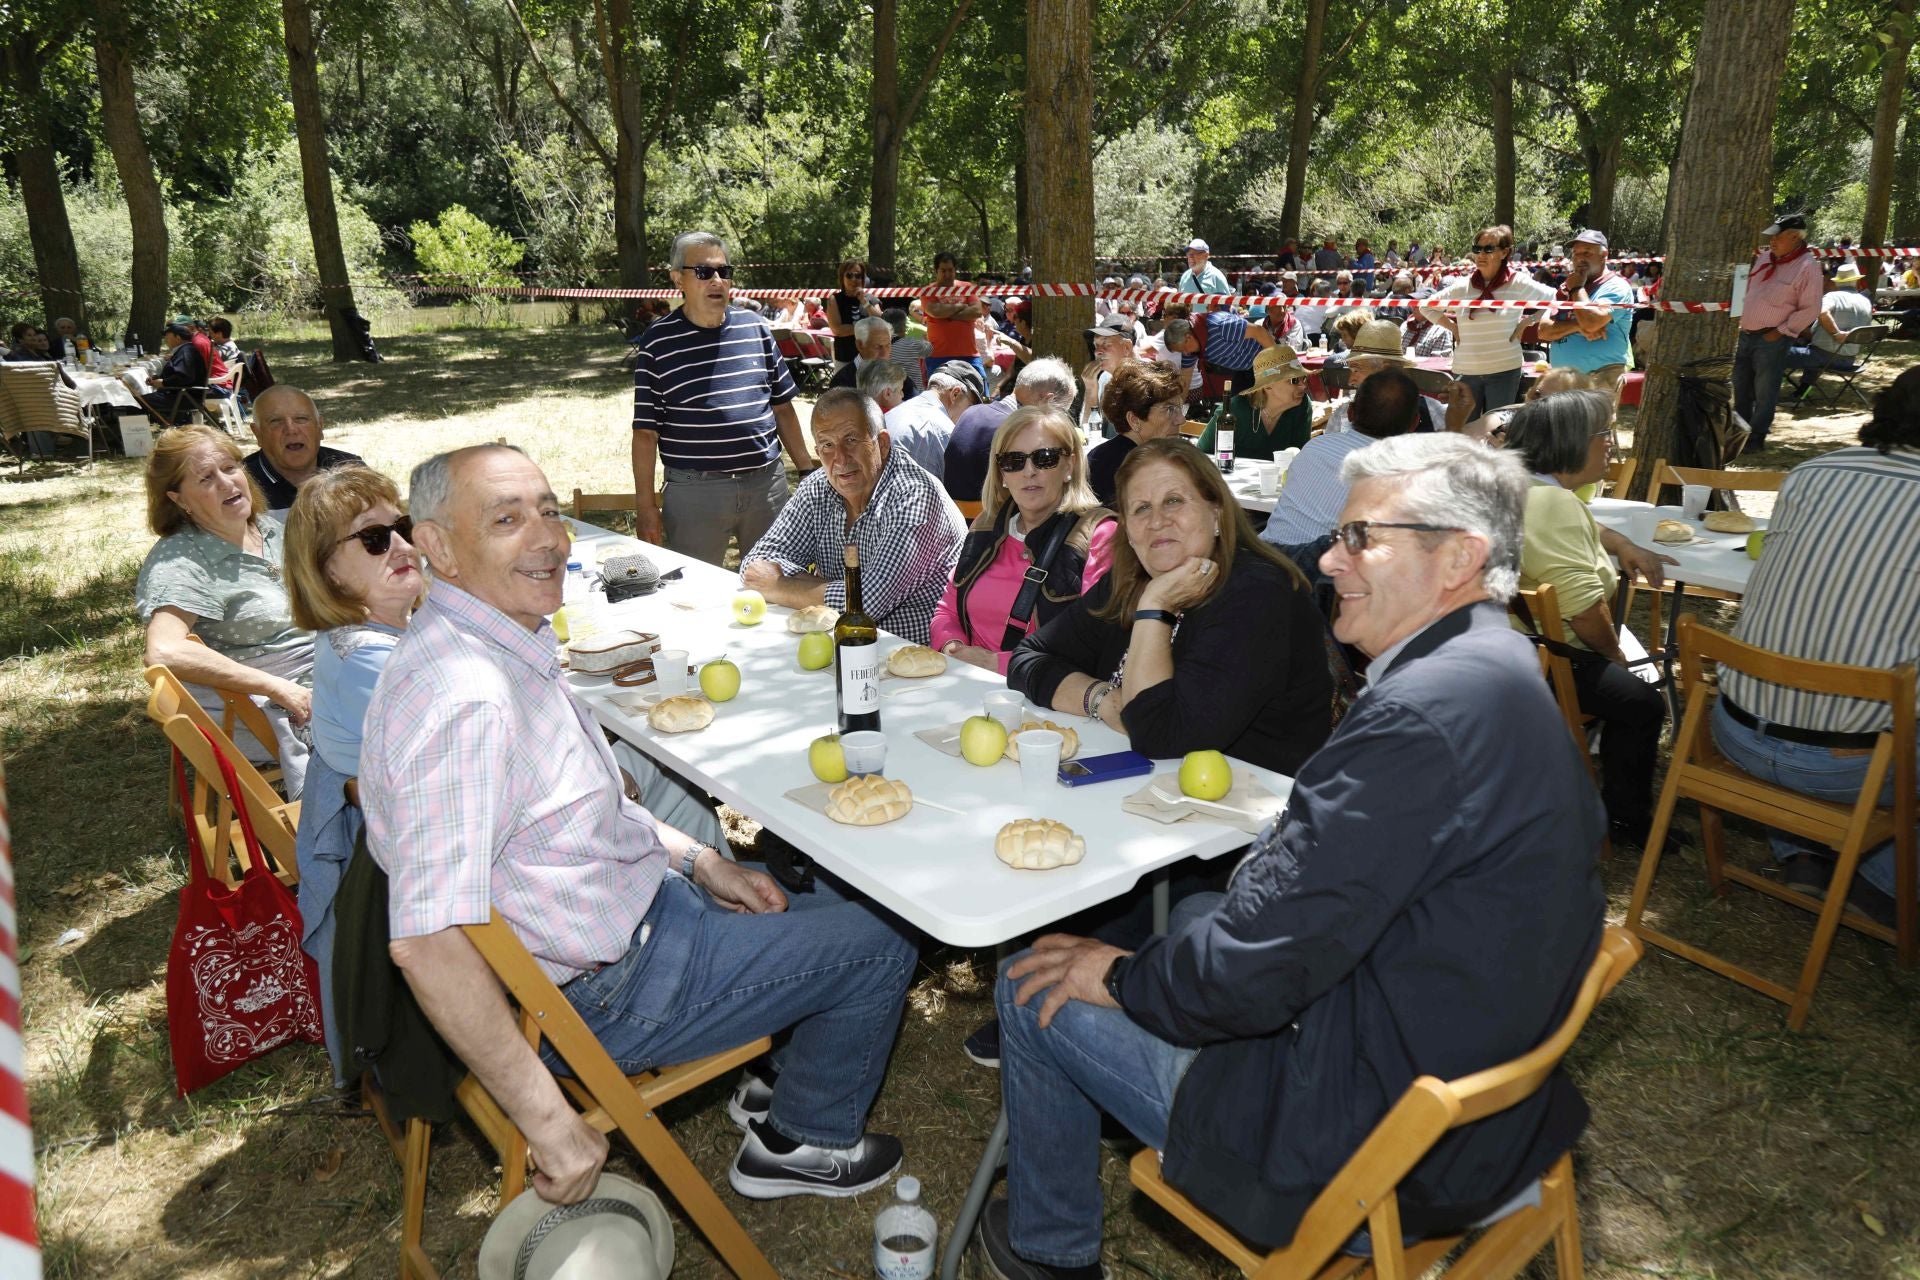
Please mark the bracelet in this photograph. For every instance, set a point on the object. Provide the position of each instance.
(949, 647)
(692, 856)
(1096, 694)
(1155, 615)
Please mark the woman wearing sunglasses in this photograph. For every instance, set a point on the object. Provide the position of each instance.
(215, 574)
(846, 307)
(1487, 356)
(1035, 509)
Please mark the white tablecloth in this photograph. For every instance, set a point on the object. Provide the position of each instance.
(104, 388)
(1717, 560)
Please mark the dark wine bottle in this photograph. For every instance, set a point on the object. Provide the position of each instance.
(856, 656)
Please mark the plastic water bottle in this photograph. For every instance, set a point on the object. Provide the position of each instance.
(904, 1235)
(575, 587)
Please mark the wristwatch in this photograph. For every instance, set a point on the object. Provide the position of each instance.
(691, 856)
(1156, 615)
(1112, 980)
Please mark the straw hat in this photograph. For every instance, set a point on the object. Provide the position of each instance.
(1276, 364)
(1378, 340)
(620, 1232)
(1847, 274)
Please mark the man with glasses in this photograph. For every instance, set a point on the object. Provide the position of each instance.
(713, 402)
(1426, 906)
(287, 426)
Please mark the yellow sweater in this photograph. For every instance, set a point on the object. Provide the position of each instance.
(1563, 549)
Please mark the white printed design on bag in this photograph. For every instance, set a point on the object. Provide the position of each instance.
(245, 972)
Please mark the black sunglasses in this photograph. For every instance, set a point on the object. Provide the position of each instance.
(707, 271)
(1487, 248)
(1354, 534)
(1043, 459)
(376, 538)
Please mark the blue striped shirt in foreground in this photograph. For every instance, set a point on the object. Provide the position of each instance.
(709, 394)
(1838, 581)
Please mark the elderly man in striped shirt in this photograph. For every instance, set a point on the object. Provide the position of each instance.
(712, 400)
(1836, 583)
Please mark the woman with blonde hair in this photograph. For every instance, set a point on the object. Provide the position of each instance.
(215, 573)
(1036, 511)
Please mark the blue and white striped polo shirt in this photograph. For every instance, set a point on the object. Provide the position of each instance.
(1228, 346)
(709, 393)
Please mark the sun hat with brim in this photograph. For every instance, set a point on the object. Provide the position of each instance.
(1847, 274)
(1276, 364)
(1378, 340)
(620, 1232)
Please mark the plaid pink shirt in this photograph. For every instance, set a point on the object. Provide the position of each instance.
(486, 784)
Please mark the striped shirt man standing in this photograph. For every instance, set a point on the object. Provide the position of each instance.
(713, 402)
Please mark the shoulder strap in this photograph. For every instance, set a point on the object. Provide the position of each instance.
(254, 856)
(1035, 578)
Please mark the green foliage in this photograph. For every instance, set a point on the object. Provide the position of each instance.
(461, 249)
(1143, 191)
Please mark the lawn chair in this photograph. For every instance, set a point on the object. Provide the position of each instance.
(173, 707)
(225, 411)
(33, 401)
(1365, 1191)
(1867, 340)
(610, 1100)
(810, 368)
(1698, 772)
(181, 406)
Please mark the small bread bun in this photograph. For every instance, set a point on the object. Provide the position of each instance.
(1673, 531)
(916, 660)
(682, 713)
(867, 800)
(1729, 522)
(1038, 844)
(814, 617)
(1069, 740)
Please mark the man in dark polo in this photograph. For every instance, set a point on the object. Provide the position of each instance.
(287, 427)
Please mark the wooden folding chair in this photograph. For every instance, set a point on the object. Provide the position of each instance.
(1700, 773)
(1619, 476)
(1364, 1193)
(609, 1099)
(969, 511)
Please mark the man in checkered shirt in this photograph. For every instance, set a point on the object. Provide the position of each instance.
(488, 788)
(869, 493)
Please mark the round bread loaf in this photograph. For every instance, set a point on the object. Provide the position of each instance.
(1729, 522)
(682, 713)
(867, 800)
(915, 661)
(1673, 531)
(814, 617)
(1038, 844)
(1069, 740)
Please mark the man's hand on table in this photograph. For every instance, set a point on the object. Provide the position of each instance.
(793, 590)
(738, 888)
(1065, 968)
(760, 574)
(567, 1158)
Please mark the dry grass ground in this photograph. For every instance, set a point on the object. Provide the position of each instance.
(1721, 1145)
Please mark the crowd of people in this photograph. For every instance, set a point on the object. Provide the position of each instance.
(1359, 943)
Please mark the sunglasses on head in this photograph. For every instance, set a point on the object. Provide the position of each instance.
(1043, 460)
(707, 271)
(376, 538)
(1354, 535)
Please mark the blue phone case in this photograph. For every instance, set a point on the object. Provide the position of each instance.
(1118, 764)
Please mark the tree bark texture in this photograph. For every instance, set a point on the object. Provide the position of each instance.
(1602, 157)
(1300, 140)
(55, 260)
(1906, 186)
(1059, 141)
(884, 103)
(1886, 129)
(316, 179)
(1721, 193)
(1501, 121)
(120, 121)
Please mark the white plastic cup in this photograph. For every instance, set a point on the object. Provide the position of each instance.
(670, 671)
(1269, 479)
(1039, 758)
(1640, 531)
(1693, 500)
(865, 750)
(1008, 707)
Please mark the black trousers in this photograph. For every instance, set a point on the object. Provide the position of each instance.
(1631, 713)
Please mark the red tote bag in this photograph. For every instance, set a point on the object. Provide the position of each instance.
(238, 983)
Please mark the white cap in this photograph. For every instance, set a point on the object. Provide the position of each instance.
(908, 1188)
(1197, 245)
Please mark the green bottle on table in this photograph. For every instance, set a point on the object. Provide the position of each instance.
(856, 656)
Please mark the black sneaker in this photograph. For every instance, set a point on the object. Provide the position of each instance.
(983, 1046)
(1809, 873)
(1869, 901)
(1002, 1262)
(752, 1096)
(759, 1174)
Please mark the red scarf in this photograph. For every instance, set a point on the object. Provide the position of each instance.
(1766, 268)
(1489, 292)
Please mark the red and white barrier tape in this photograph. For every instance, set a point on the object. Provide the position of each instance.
(19, 1243)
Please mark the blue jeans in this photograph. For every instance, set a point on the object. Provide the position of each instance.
(1758, 366)
(699, 979)
(1820, 772)
(1492, 390)
(1054, 1084)
(1812, 360)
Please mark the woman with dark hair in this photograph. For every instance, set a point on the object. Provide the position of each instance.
(1565, 440)
(1144, 401)
(1159, 648)
(1486, 353)
(846, 306)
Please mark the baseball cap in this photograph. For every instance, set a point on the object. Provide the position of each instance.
(1197, 244)
(1114, 326)
(960, 374)
(1788, 222)
(1591, 236)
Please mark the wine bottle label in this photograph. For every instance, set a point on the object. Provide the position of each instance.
(859, 679)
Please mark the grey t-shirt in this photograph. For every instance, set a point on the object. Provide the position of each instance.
(238, 600)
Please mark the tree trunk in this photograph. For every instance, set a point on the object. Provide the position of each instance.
(316, 179)
(1059, 140)
(1721, 191)
(1886, 128)
(1500, 117)
(1603, 175)
(1023, 242)
(1301, 138)
(120, 121)
(614, 26)
(884, 100)
(55, 260)
(1906, 187)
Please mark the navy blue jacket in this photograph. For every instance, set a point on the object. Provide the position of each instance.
(1427, 905)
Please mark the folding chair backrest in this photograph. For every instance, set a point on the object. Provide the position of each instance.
(1867, 338)
(1619, 476)
(1738, 481)
(1539, 611)
(38, 402)
(172, 706)
(583, 503)
(256, 377)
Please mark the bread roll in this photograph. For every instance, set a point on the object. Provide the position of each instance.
(1673, 531)
(1038, 844)
(916, 660)
(814, 617)
(602, 655)
(1729, 522)
(867, 800)
(1069, 740)
(682, 713)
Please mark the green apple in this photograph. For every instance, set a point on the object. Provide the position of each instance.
(749, 607)
(560, 624)
(983, 740)
(720, 680)
(1754, 541)
(816, 650)
(1205, 775)
(826, 758)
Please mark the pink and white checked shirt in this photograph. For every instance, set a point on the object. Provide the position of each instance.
(486, 784)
